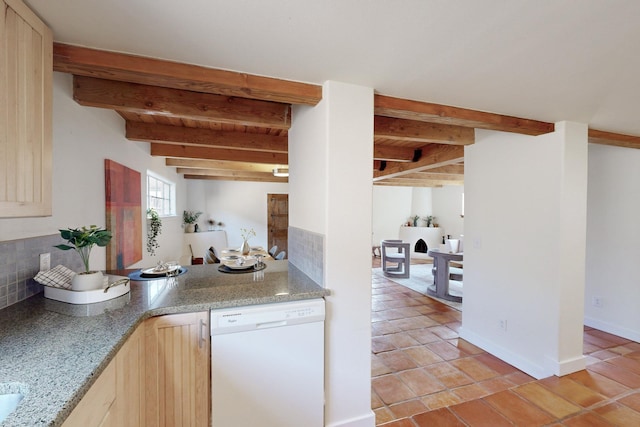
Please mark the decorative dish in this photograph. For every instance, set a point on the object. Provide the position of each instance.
(240, 263)
(160, 270)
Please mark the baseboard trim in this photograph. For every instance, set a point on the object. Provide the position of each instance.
(612, 329)
(525, 365)
(367, 420)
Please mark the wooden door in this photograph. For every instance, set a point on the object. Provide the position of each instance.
(278, 221)
(178, 373)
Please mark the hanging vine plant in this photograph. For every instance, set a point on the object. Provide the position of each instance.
(154, 228)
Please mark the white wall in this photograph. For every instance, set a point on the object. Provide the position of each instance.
(330, 156)
(525, 221)
(82, 138)
(613, 233)
(391, 209)
(447, 204)
(237, 204)
(421, 203)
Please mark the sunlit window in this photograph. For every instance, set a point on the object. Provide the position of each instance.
(161, 195)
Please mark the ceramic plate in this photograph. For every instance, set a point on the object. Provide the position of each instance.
(248, 263)
(160, 272)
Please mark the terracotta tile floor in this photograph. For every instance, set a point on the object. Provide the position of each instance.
(424, 375)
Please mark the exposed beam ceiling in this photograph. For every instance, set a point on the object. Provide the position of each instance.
(222, 125)
(81, 61)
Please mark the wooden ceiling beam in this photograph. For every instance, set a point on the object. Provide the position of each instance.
(436, 113)
(394, 154)
(148, 132)
(191, 152)
(433, 156)
(138, 69)
(614, 139)
(224, 178)
(418, 131)
(225, 173)
(454, 169)
(144, 99)
(220, 165)
(432, 176)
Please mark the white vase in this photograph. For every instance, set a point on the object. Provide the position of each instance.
(87, 281)
(189, 228)
(245, 248)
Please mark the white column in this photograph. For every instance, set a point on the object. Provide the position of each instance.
(330, 192)
(525, 225)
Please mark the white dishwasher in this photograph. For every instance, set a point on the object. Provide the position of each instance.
(267, 365)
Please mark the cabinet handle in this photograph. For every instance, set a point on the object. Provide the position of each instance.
(201, 333)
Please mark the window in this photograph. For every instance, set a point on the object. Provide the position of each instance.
(161, 195)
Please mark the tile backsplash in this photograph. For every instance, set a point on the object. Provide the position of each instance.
(306, 251)
(20, 262)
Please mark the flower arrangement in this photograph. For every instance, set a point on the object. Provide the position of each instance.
(82, 240)
(247, 234)
(190, 217)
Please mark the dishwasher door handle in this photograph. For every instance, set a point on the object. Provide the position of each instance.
(273, 324)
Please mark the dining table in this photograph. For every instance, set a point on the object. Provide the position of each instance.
(254, 250)
(442, 274)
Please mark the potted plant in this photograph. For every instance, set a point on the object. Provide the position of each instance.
(82, 240)
(189, 219)
(154, 224)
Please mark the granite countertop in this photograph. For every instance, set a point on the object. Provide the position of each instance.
(52, 352)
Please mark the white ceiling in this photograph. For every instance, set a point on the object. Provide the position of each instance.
(547, 60)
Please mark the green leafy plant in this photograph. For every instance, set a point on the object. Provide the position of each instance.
(190, 217)
(82, 240)
(154, 224)
(429, 220)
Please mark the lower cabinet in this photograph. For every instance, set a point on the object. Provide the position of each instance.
(178, 370)
(160, 377)
(117, 397)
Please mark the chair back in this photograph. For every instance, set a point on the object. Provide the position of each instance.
(273, 250)
(281, 255)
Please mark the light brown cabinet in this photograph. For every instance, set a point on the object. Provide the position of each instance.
(116, 399)
(178, 375)
(160, 377)
(26, 73)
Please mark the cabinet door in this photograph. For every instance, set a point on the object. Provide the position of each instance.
(116, 399)
(94, 410)
(178, 376)
(26, 73)
(129, 408)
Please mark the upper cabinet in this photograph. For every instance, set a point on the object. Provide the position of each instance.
(26, 72)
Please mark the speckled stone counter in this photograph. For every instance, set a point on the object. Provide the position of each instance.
(52, 351)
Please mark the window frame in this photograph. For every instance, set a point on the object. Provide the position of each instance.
(168, 195)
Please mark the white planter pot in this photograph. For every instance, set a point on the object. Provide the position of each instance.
(189, 228)
(87, 281)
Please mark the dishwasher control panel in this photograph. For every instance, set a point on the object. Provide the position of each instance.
(235, 319)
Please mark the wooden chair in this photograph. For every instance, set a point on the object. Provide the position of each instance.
(398, 254)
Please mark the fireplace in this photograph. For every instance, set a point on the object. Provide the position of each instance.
(421, 246)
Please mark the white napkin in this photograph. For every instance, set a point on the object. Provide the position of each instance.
(58, 277)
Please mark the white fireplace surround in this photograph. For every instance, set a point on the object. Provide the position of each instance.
(431, 235)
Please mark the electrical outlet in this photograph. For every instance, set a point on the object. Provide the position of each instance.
(502, 324)
(45, 262)
(597, 301)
